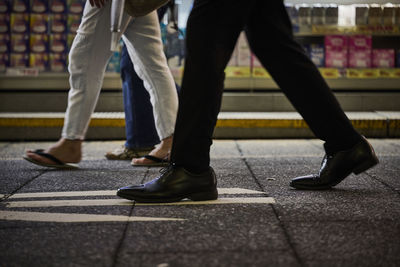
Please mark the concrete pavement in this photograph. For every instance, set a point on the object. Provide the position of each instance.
(73, 218)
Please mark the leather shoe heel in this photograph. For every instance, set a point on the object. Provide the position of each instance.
(366, 165)
(336, 167)
(213, 195)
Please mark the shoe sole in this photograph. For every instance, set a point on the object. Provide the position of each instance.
(65, 166)
(202, 196)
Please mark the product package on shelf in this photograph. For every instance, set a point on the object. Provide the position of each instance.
(304, 12)
(38, 43)
(4, 23)
(75, 6)
(383, 58)
(5, 6)
(19, 43)
(39, 6)
(39, 61)
(39, 23)
(58, 43)
(360, 48)
(4, 61)
(294, 16)
(57, 62)
(73, 21)
(58, 23)
(4, 43)
(375, 15)
(58, 6)
(20, 6)
(318, 14)
(361, 14)
(332, 15)
(398, 58)
(336, 51)
(19, 60)
(316, 52)
(19, 22)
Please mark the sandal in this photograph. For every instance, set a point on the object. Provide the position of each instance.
(58, 163)
(157, 162)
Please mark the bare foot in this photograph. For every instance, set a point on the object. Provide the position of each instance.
(161, 151)
(67, 151)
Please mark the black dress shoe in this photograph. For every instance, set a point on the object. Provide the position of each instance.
(174, 184)
(335, 168)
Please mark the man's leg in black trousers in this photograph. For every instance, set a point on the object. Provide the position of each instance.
(270, 36)
(212, 31)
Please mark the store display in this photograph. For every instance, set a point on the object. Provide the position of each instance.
(39, 61)
(336, 49)
(20, 6)
(4, 44)
(4, 6)
(316, 52)
(360, 48)
(4, 23)
(383, 58)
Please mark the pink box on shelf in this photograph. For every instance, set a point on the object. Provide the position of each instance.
(360, 42)
(336, 59)
(383, 58)
(336, 51)
(336, 42)
(360, 49)
(360, 59)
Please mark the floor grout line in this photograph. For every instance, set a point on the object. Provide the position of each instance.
(281, 224)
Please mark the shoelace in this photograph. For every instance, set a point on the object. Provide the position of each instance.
(167, 169)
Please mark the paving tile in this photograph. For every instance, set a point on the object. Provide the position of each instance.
(343, 240)
(60, 245)
(216, 258)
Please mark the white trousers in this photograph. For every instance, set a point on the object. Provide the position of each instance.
(88, 59)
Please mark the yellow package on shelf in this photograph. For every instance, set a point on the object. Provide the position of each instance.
(260, 73)
(330, 73)
(362, 73)
(237, 72)
(389, 73)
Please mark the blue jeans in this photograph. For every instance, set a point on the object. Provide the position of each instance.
(139, 119)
